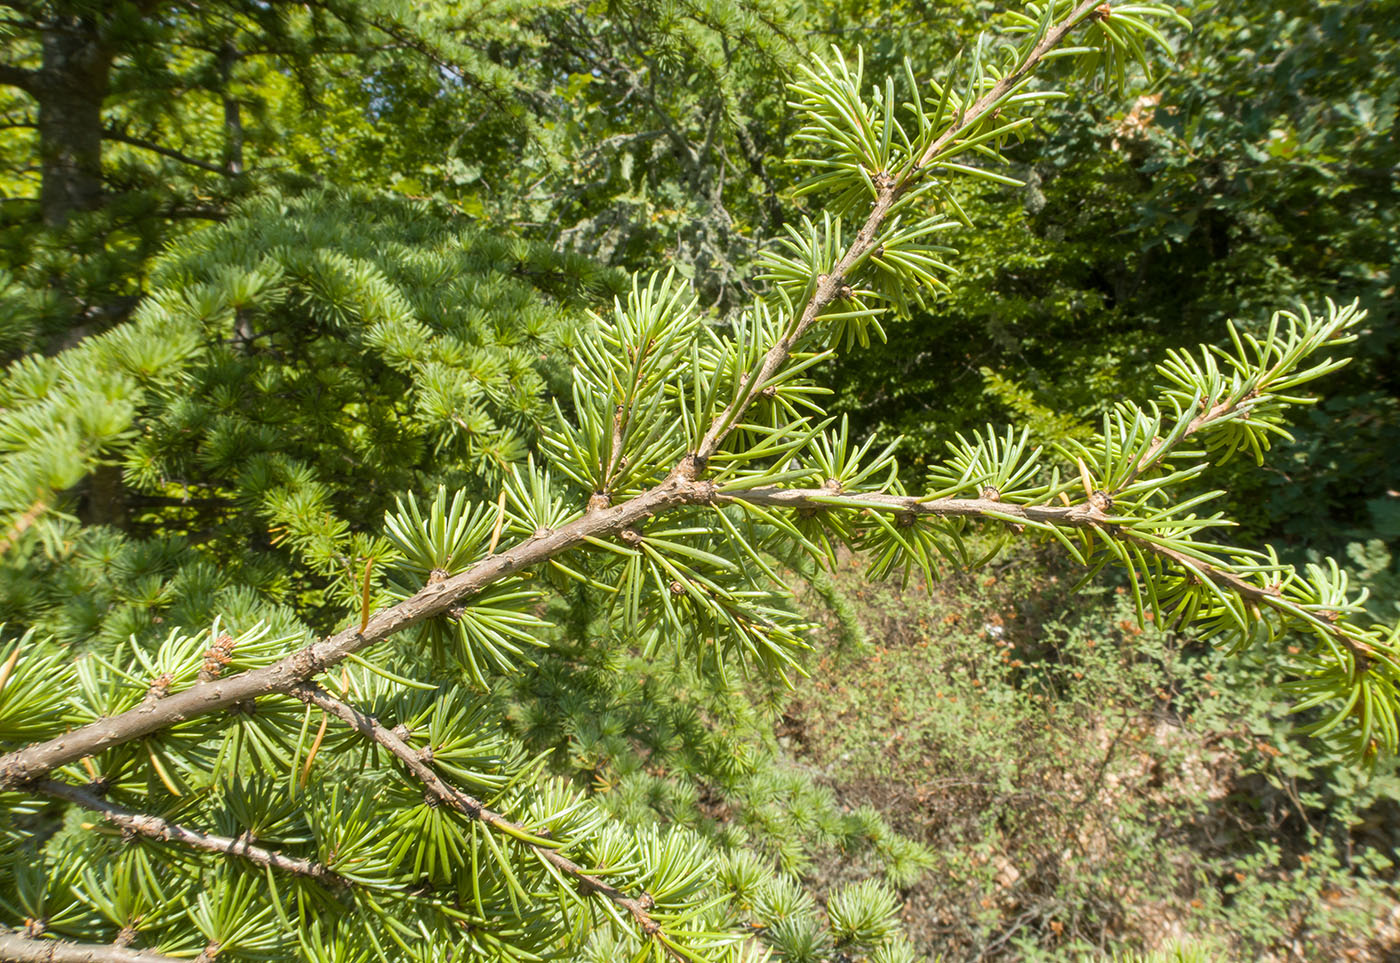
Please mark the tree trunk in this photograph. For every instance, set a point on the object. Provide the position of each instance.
(103, 498)
(70, 87)
(233, 120)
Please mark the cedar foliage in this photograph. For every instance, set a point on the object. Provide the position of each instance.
(207, 779)
(1254, 172)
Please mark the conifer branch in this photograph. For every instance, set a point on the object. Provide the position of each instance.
(1362, 651)
(1086, 516)
(1161, 449)
(1051, 40)
(12, 76)
(170, 152)
(678, 488)
(586, 883)
(1239, 403)
(282, 677)
(154, 827)
(17, 949)
(830, 286)
(1080, 516)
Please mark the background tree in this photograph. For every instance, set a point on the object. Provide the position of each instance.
(146, 114)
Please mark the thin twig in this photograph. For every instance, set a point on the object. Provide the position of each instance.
(1081, 516)
(164, 151)
(154, 827)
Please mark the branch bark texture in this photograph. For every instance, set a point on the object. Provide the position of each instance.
(17, 949)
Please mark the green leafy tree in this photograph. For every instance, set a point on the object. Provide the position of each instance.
(618, 133)
(288, 352)
(127, 121)
(234, 786)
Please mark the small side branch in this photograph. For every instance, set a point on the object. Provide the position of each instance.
(829, 286)
(163, 151)
(1083, 516)
(17, 949)
(586, 883)
(25, 80)
(1076, 516)
(154, 827)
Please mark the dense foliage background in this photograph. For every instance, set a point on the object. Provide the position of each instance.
(265, 267)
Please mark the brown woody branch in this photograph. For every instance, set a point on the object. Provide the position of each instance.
(1079, 516)
(154, 827)
(25, 80)
(1158, 450)
(679, 488)
(1362, 651)
(586, 883)
(35, 761)
(18, 949)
